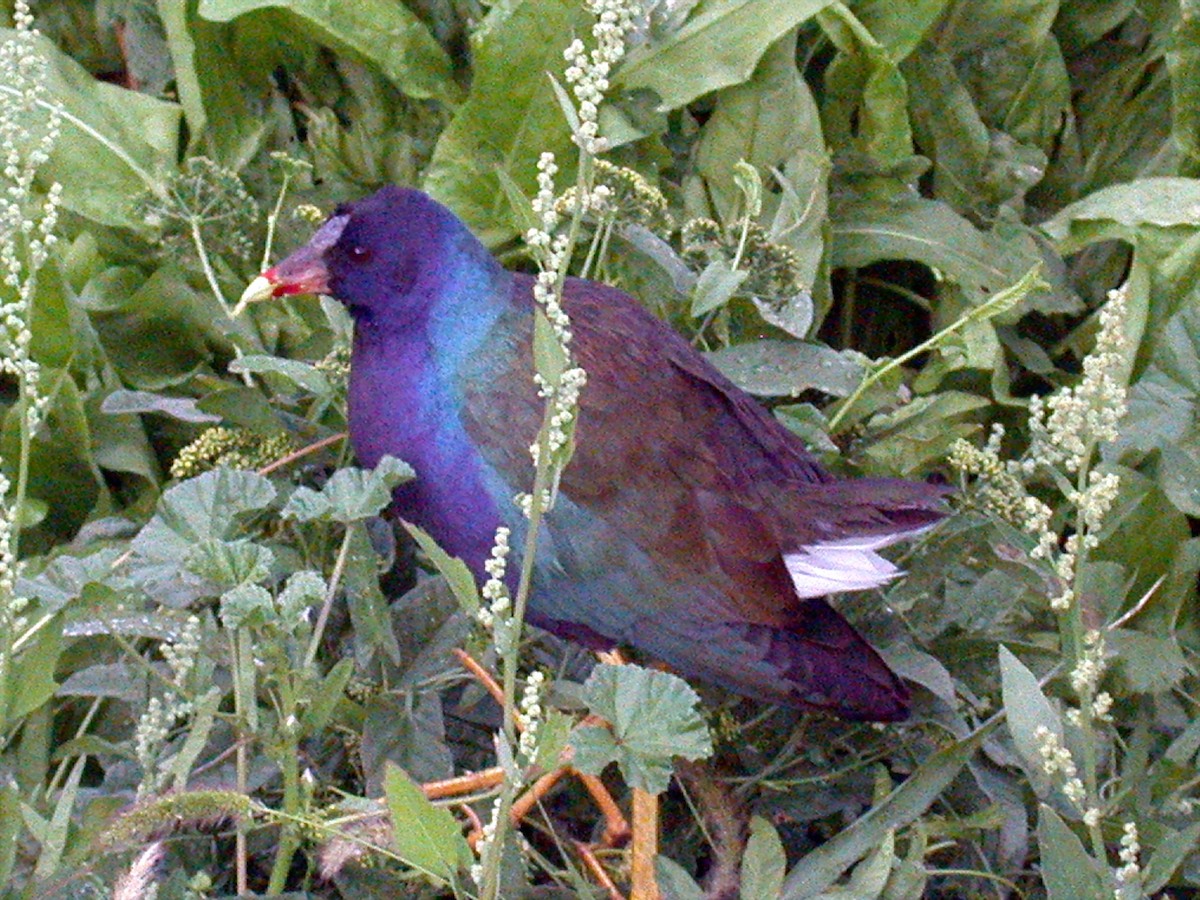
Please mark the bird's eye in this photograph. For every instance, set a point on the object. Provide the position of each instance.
(360, 254)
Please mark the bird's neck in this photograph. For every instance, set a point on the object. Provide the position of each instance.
(404, 401)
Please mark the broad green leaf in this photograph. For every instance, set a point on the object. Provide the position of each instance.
(718, 46)
(54, 839)
(1163, 407)
(350, 495)
(406, 733)
(917, 436)
(651, 718)
(112, 680)
(715, 286)
(1164, 202)
(775, 368)
(203, 508)
(870, 877)
(509, 117)
(553, 738)
(64, 479)
(304, 589)
(224, 113)
(792, 314)
(122, 402)
(247, 606)
(949, 129)
(1068, 872)
(865, 108)
(388, 35)
(302, 374)
(899, 26)
(1169, 853)
(229, 564)
(1184, 61)
(1028, 711)
(153, 329)
(365, 601)
(1143, 533)
(822, 866)
(458, 576)
(199, 730)
(10, 827)
(763, 121)
(1146, 663)
(674, 882)
(65, 577)
(115, 144)
(32, 671)
(764, 862)
(868, 229)
(425, 836)
(327, 695)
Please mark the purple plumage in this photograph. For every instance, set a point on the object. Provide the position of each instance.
(691, 525)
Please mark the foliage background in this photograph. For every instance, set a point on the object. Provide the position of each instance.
(918, 156)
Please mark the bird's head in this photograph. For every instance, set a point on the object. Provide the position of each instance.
(385, 257)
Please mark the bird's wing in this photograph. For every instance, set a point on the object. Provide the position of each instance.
(689, 468)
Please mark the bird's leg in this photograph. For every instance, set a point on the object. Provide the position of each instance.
(616, 827)
(644, 847)
(644, 841)
(475, 835)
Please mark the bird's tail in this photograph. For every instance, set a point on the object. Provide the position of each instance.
(820, 662)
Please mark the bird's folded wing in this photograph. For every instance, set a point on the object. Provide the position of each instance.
(690, 469)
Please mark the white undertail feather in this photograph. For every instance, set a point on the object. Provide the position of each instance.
(847, 564)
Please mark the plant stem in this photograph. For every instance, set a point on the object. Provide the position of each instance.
(242, 671)
(209, 274)
(339, 567)
(272, 219)
(994, 305)
(544, 477)
(289, 841)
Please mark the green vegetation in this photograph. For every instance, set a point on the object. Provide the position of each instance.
(935, 236)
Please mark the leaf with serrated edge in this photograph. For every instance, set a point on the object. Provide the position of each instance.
(652, 718)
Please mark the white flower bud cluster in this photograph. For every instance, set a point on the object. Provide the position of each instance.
(8, 563)
(1129, 875)
(550, 250)
(153, 728)
(29, 128)
(486, 840)
(587, 73)
(524, 502)
(530, 714)
(181, 654)
(565, 399)
(495, 616)
(163, 713)
(1069, 424)
(1085, 677)
(1057, 760)
(1066, 428)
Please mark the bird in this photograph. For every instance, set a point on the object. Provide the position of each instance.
(689, 525)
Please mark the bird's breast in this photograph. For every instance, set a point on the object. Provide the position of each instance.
(397, 409)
